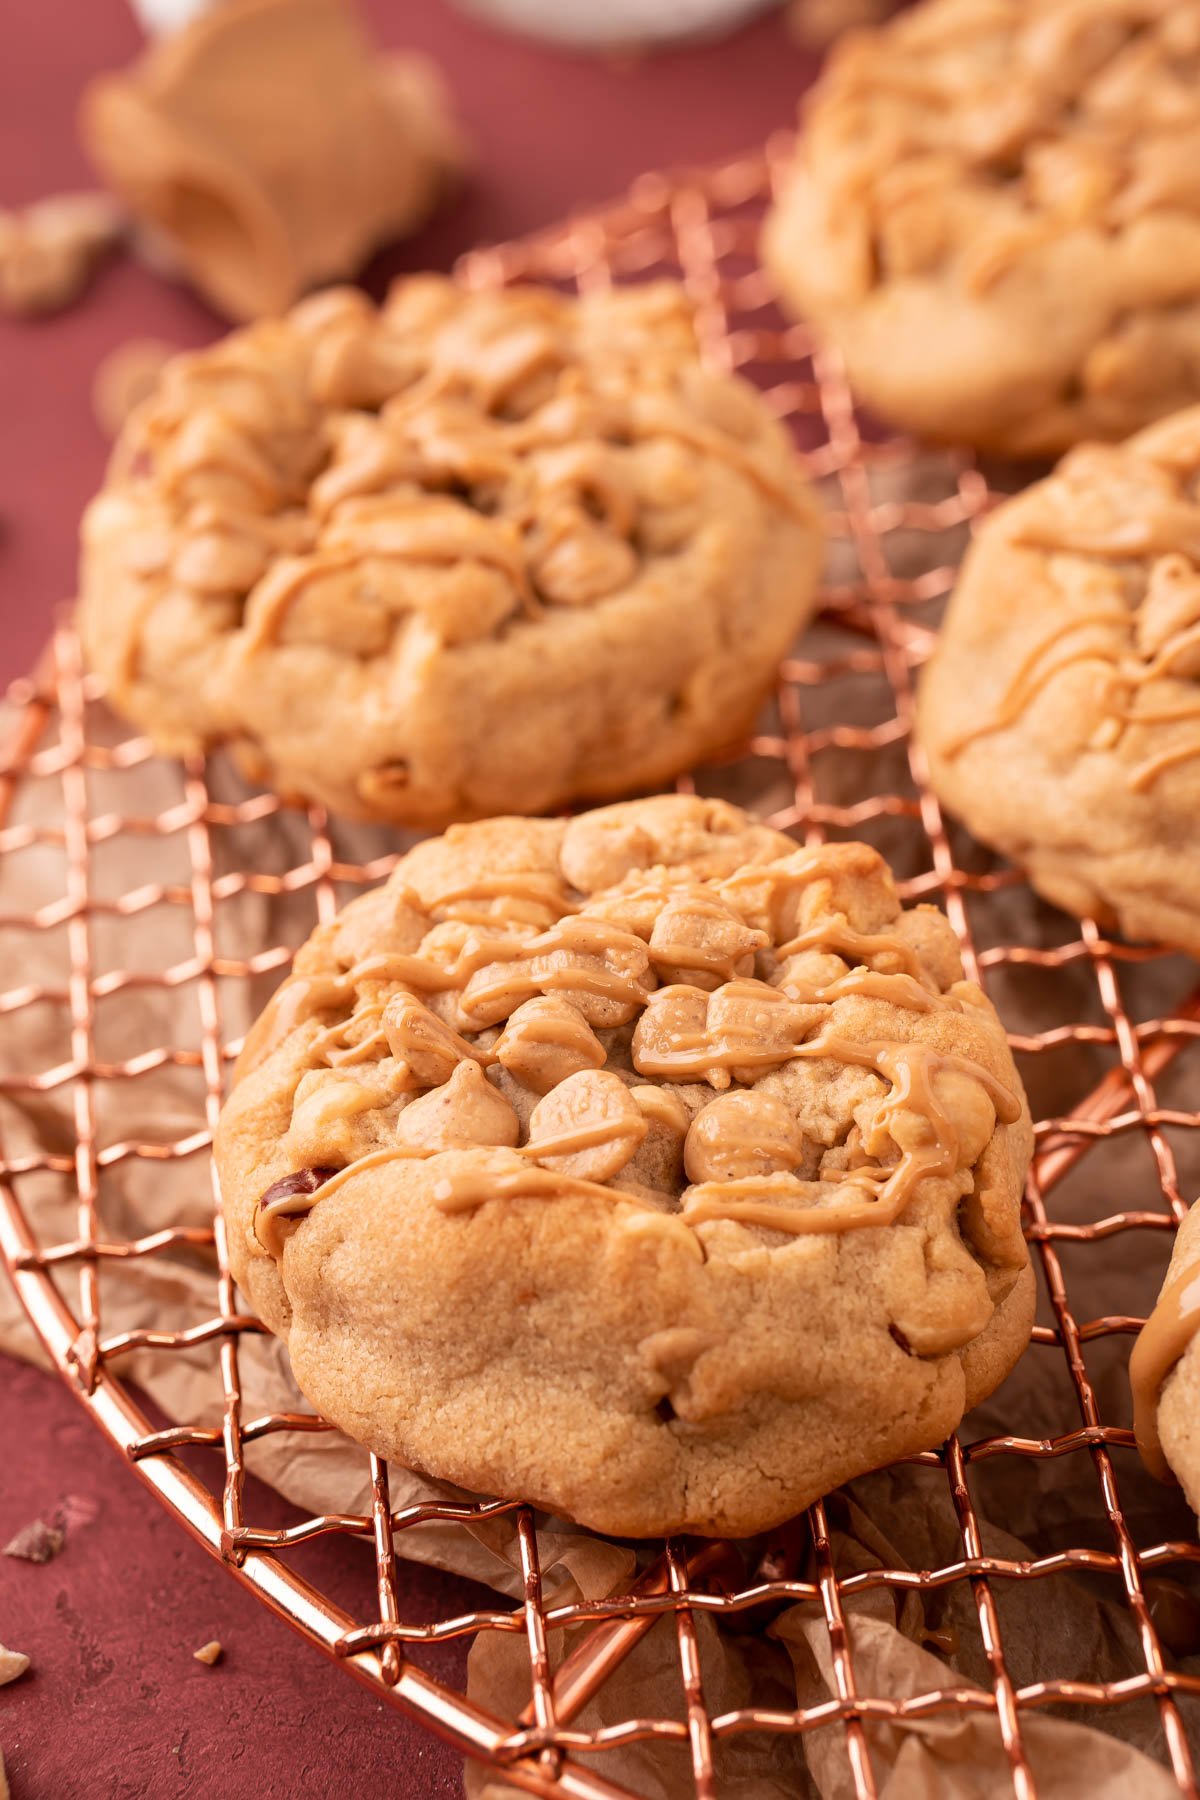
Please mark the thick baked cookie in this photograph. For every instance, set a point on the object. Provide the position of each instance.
(1164, 1370)
(468, 553)
(644, 1165)
(994, 214)
(1060, 713)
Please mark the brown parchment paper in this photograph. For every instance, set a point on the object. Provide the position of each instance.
(1066, 1625)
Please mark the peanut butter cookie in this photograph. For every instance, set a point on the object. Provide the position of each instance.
(645, 1166)
(994, 214)
(1164, 1370)
(1060, 713)
(469, 553)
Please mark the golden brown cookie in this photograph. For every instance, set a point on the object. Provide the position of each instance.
(1164, 1370)
(994, 214)
(1060, 713)
(463, 554)
(645, 1166)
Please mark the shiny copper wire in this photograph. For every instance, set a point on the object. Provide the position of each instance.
(703, 228)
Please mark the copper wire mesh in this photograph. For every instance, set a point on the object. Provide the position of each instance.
(835, 758)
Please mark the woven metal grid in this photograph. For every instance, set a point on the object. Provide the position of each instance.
(834, 758)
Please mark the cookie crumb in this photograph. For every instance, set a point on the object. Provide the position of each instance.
(36, 1542)
(4, 1789)
(48, 250)
(209, 1653)
(13, 1664)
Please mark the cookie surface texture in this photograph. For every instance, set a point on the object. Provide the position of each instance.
(993, 214)
(1060, 713)
(644, 1166)
(467, 553)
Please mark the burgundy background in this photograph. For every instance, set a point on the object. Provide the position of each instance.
(114, 1707)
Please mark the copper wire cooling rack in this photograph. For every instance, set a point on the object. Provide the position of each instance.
(835, 758)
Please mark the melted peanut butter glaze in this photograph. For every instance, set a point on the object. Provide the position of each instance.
(1031, 677)
(592, 1118)
(304, 997)
(1162, 1341)
(837, 935)
(1104, 506)
(911, 1069)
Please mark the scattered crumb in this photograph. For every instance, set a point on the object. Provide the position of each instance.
(13, 1663)
(48, 250)
(4, 1793)
(208, 1653)
(73, 1511)
(815, 24)
(37, 1542)
(126, 377)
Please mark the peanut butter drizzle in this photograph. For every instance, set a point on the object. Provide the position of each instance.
(466, 1189)
(1148, 772)
(442, 531)
(650, 416)
(580, 935)
(295, 1206)
(1162, 1341)
(302, 996)
(911, 1069)
(585, 1137)
(538, 888)
(434, 534)
(1029, 680)
(694, 1053)
(898, 990)
(418, 1029)
(690, 956)
(838, 935)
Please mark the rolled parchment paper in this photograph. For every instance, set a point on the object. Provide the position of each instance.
(271, 148)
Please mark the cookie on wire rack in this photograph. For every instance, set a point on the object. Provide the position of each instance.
(645, 1166)
(993, 214)
(1060, 713)
(461, 554)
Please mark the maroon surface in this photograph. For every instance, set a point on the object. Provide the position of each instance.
(115, 1708)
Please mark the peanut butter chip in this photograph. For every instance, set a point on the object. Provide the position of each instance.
(741, 1134)
(464, 1110)
(13, 1664)
(699, 939)
(546, 1040)
(427, 1046)
(588, 1127)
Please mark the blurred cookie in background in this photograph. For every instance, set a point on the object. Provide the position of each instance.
(994, 215)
